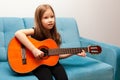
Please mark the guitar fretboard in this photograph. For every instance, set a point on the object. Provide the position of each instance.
(66, 51)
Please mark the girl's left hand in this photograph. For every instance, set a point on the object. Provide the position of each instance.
(83, 53)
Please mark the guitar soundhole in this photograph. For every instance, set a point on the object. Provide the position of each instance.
(45, 51)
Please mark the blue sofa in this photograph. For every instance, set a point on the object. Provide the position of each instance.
(105, 66)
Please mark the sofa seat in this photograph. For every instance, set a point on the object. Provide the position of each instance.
(77, 68)
(86, 68)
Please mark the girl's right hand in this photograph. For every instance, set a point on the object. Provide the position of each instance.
(38, 54)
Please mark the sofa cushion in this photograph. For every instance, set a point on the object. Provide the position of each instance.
(69, 32)
(86, 68)
(8, 26)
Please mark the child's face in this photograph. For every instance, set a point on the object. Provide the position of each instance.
(48, 19)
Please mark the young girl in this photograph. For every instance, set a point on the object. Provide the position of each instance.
(44, 27)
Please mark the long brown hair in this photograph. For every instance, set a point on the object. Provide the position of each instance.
(39, 31)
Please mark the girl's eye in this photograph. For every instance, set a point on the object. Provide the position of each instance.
(45, 17)
(52, 16)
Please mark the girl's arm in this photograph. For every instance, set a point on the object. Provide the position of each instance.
(21, 35)
(62, 56)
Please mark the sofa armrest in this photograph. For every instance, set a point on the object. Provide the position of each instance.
(110, 54)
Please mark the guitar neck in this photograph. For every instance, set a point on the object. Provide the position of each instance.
(66, 51)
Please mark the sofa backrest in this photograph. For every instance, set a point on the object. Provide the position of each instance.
(67, 28)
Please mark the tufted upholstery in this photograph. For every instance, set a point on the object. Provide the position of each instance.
(77, 68)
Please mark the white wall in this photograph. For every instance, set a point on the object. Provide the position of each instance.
(97, 19)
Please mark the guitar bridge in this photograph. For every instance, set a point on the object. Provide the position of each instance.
(23, 61)
(23, 55)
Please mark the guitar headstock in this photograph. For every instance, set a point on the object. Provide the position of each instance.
(94, 49)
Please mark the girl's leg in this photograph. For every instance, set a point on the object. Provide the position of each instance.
(59, 72)
(43, 73)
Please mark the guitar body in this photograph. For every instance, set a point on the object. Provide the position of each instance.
(15, 55)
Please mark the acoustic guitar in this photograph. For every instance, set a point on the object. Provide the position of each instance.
(21, 60)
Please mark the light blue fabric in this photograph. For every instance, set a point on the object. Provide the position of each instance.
(7, 74)
(7, 28)
(97, 67)
(87, 69)
(110, 54)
